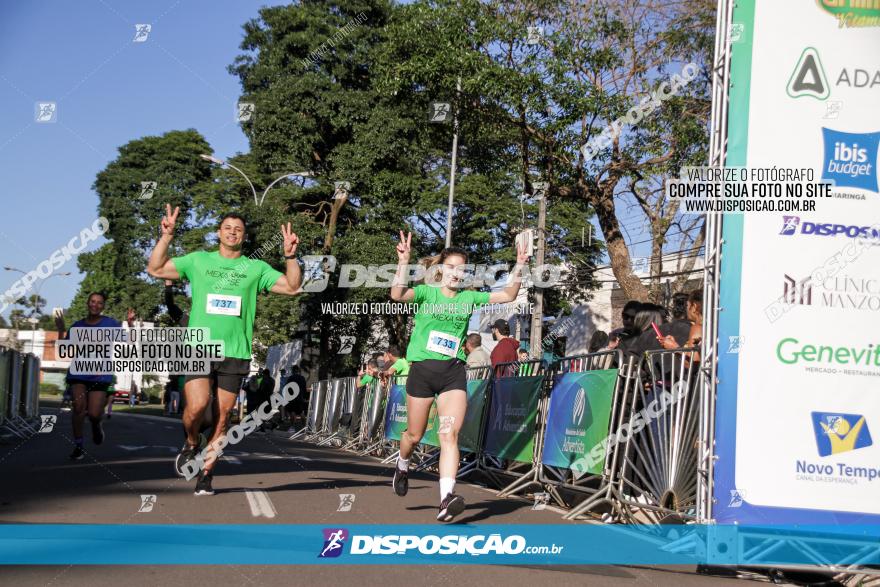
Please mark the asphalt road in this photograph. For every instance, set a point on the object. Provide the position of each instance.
(263, 480)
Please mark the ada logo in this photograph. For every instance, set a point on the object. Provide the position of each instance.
(334, 542)
(851, 159)
(808, 77)
(837, 433)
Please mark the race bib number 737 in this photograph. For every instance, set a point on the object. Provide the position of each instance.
(225, 305)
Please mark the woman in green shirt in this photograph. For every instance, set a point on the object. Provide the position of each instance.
(436, 354)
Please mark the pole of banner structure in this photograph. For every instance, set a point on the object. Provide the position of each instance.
(452, 167)
(257, 200)
(536, 334)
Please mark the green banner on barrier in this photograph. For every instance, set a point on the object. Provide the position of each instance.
(396, 414)
(512, 414)
(469, 435)
(578, 419)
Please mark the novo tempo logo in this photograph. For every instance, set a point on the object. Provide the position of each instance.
(837, 433)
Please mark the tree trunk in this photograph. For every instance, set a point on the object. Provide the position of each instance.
(621, 264)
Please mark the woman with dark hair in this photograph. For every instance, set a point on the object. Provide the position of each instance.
(695, 315)
(646, 338)
(436, 351)
(598, 341)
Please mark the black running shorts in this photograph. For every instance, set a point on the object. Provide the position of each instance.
(226, 374)
(92, 385)
(432, 377)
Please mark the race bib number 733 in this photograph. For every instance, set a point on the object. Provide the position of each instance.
(443, 343)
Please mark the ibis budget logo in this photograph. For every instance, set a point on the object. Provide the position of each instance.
(851, 159)
(838, 433)
(853, 13)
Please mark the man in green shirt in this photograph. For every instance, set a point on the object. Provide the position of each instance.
(394, 363)
(369, 375)
(224, 300)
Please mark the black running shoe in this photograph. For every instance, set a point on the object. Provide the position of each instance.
(187, 454)
(400, 481)
(450, 507)
(78, 454)
(97, 432)
(203, 485)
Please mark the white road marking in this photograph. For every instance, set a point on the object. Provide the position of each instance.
(261, 505)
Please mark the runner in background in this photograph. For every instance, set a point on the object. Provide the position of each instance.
(224, 299)
(89, 392)
(436, 354)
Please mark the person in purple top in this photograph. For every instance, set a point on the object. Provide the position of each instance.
(90, 392)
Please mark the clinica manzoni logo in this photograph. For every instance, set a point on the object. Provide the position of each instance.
(837, 434)
(851, 159)
(846, 292)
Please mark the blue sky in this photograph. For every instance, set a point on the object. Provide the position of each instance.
(109, 90)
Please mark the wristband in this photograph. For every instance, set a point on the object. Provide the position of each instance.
(290, 257)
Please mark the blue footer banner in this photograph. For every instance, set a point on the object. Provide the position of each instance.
(560, 544)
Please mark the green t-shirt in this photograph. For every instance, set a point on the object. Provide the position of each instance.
(367, 379)
(441, 323)
(401, 366)
(224, 296)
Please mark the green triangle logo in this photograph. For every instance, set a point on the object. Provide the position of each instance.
(808, 77)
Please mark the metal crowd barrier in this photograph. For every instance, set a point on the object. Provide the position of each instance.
(20, 395)
(657, 479)
(317, 408)
(341, 392)
(647, 475)
(563, 479)
(525, 473)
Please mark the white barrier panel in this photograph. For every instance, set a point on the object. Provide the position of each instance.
(798, 412)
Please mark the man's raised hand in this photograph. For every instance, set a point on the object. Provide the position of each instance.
(290, 240)
(169, 220)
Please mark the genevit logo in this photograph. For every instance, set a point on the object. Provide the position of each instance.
(851, 159)
(837, 433)
(577, 412)
(334, 542)
(808, 77)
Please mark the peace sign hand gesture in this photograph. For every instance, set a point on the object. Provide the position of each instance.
(169, 220)
(404, 247)
(290, 240)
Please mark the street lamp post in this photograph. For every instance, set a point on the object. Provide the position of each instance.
(35, 309)
(258, 202)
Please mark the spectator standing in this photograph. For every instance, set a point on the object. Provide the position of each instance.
(506, 349)
(679, 327)
(476, 354)
(598, 341)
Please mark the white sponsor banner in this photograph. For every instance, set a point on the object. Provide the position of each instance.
(808, 389)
